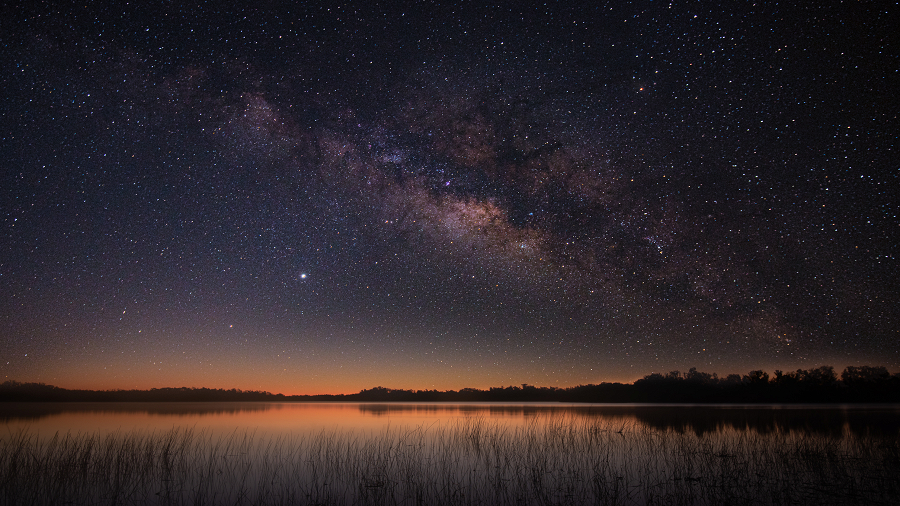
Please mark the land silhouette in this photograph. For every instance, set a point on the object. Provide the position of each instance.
(856, 384)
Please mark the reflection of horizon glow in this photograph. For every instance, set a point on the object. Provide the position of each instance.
(485, 460)
(302, 418)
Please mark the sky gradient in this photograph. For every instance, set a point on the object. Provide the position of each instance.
(326, 197)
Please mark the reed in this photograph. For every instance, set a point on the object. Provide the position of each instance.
(548, 461)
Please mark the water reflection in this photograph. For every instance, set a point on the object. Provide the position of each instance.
(697, 419)
(33, 411)
(316, 453)
(826, 420)
(883, 420)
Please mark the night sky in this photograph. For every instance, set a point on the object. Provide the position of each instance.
(321, 198)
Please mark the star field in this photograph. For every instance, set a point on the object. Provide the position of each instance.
(327, 197)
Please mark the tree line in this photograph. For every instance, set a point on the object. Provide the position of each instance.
(822, 384)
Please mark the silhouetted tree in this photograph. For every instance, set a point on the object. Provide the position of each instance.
(757, 377)
(864, 375)
(857, 384)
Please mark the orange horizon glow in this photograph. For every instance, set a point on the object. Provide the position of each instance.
(331, 376)
(291, 391)
(346, 386)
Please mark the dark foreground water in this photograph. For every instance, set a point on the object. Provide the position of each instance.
(349, 453)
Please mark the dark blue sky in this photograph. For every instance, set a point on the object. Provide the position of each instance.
(324, 198)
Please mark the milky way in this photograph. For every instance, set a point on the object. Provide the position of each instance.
(325, 199)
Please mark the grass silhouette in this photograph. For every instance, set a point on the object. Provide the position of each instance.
(550, 460)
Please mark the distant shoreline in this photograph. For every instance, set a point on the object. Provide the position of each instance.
(864, 384)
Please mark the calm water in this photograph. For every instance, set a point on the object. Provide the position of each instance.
(491, 454)
(300, 419)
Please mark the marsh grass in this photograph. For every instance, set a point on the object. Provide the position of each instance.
(548, 461)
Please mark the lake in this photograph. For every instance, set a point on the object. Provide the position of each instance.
(436, 453)
(310, 418)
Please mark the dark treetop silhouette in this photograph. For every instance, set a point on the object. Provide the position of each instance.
(821, 385)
